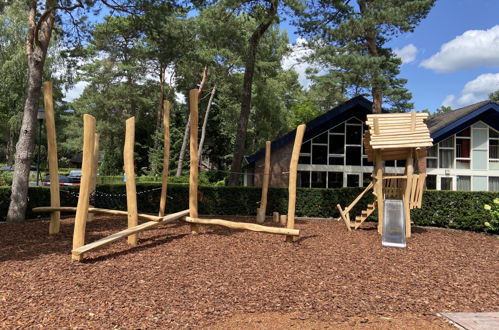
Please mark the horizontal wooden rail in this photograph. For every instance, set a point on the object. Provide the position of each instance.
(244, 225)
(78, 253)
(45, 209)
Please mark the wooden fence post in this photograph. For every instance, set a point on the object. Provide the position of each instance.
(55, 199)
(166, 157)
(262, 210)
(293, 169)
(84, 196)
(409, 170)
(193, 175)
(131, 189)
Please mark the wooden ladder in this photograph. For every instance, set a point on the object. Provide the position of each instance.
(363, 215)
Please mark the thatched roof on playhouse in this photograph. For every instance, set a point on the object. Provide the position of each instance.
(396, 134)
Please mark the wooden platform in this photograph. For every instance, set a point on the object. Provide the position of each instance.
(474, 321)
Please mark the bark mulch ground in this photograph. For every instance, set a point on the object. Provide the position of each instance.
(222, 278)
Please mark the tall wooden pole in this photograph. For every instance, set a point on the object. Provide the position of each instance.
(55, 201)
(293, 169)
(409, 170)
(378, 187)
(95, 166)
(166, 157)
(131, 192)
(262, 210)
(193, 178)
(84, 196)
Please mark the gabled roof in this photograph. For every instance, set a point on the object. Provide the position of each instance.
(449, 123)
(358, 104)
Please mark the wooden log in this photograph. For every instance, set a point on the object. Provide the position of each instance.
(131, 189)
(194, 165)
(342, 216)
(84, 195)
(409, 170)
(55, 199)
(378, 188)
(283, 219)
(95, 165)
(293, 169)
(376, 127)
(245, 226)
(78, 253)
(166, 157)
(260, 217)
(357, 199)
(47, 209)
(275, 217)
(396, 115)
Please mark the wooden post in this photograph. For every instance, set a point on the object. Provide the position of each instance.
(283, 219)
(55, 200)
(166, 157)
(293, 169)
(409, 170)
(260, 216)
(84, 196)
(193, 178)
(95, 166)
(378, 187)
(275, 217)
(131, 192)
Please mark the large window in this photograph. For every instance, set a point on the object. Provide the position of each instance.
(432, 158)
(445, 183)
(493, 183)
(446, 153)
(493, 149)
(463, 144)
(463, 183)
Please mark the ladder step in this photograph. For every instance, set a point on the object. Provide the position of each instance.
(370, 206)
(359, 218)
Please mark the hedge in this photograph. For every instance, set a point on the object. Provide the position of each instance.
(449, 209)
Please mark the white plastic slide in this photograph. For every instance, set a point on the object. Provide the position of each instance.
(393, 224)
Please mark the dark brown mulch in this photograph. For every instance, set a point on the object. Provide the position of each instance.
(175, 279)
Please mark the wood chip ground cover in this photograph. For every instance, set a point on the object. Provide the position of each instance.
(223, 278)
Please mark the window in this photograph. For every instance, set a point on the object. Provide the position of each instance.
(352, 180)
(431, 182)
(445, 183)
(493, 149)
(303, 179)
(336, 144)
(463, 146)
(354, 134)
(353, 155)
(335, 179)
(319, 179)
(446, 153)
(463, 183)
(432, 158)
(319, 154)
(305, 153)
(493, 183)
(366, 179)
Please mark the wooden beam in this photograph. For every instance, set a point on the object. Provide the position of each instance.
(84, 195)
(343, 216)
(409, 170)
(78, 253)
(260, 217)
(376, 127)
(293, 169)
(55, 199)
(47, 209)
(245, 226)
(95, 165)
(166, 157)
(378, 188)
(194, 168)
(131, 189)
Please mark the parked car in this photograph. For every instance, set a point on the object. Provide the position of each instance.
(75, 176)
(64, 180)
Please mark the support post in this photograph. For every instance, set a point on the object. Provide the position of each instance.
(409, 170)
(95, 166)
(262, 210)
(275, 217)
(166, 157)
(283, 219)
(84, 196)
(131, 189)
(55, 201)
(378, 187)
(193, 175)
(293, 169)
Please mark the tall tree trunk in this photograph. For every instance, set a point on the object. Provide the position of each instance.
(249, 71)
(159, 115)
(372, 48)
(205, 122)
(10, 147)
(186, 130)
(39, 34)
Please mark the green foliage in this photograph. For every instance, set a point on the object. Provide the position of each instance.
(494, 96)
(448, 209)
(492, 225)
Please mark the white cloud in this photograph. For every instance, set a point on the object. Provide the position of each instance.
(475, 90)
(295, 61)
(407, 54)
(474, 48)
(75, 91)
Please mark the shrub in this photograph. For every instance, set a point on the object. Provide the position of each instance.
(493, 224)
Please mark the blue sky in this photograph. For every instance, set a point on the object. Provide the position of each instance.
(463, 72)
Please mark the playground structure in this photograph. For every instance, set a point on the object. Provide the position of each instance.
(88, 184)
(403, 136)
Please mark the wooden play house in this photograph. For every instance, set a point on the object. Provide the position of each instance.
(397, 136)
